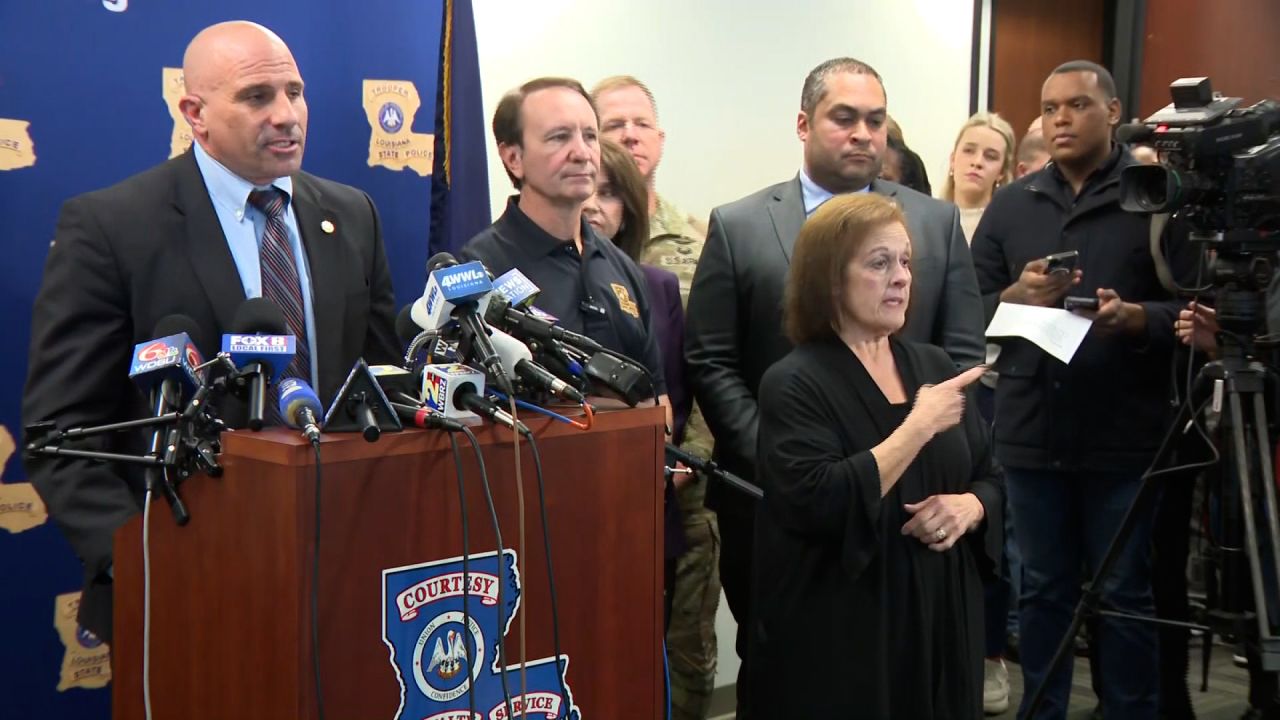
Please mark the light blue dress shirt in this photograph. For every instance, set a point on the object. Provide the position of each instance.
(243, 225)
(814, 194)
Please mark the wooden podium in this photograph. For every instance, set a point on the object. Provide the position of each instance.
(230, 592)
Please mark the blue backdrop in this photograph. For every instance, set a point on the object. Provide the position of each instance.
(87, 80)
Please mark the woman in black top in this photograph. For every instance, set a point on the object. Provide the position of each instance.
(880, 510)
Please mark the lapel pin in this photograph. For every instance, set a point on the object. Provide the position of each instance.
(327, 227)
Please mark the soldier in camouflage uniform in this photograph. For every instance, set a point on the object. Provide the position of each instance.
(628, 115)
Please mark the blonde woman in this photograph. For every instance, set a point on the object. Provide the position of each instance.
(981, 161)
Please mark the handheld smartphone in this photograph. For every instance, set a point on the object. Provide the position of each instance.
(1063, 262)
(1080, 303)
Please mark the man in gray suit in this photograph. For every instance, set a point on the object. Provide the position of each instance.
(734, 322)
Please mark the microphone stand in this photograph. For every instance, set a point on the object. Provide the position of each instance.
(191, 443)
(712, 470)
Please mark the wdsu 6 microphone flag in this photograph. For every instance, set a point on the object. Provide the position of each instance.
(393, 92)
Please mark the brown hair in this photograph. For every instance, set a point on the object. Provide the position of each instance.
(624, 177)
(508, 122)
(827, 243)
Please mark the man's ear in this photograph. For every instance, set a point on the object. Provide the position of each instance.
(1113, 112)
(192, 109)
(513, 159)
(802, 127)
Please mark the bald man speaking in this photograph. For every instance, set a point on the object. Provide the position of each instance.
(233, 218)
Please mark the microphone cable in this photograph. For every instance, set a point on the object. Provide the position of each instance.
(551, 580)
(466, 576)
(520, 549)
(146, 598)
(497, 533)
(587, 412)
(315, 591)
(666, 674)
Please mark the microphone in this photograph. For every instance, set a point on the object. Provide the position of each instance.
(517, 289)
(300, 406)
(166, 367)
(612, 376)
(1134, 133)
(456, 292)
(501, 314)
(406, 329)
(261, 347)
(518, 361)
(457, 392)
(424, 417)
(397, 382)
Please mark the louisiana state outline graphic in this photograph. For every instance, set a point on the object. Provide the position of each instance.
(439, 654)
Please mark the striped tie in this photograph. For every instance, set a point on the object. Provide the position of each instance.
(280, 284)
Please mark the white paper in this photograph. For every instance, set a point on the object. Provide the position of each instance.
(1058, 332)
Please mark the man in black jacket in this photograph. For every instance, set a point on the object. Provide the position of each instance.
(1075, 438)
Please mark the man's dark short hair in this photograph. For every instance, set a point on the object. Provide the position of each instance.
(1106, 83)
(815, 83)
(508, 120)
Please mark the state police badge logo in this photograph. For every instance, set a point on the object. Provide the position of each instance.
(446, 655)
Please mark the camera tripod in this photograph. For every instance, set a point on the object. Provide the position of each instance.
(1239, 388)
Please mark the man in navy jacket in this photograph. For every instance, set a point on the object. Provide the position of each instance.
(1075, 438)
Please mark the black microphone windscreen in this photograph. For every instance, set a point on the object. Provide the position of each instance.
(174, 324)
(1134, 133)
(259, 316)
(439, 260)
(406, 328)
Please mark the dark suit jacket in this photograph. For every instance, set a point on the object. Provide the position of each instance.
(667, 315)
(734, 321)
(151, 246)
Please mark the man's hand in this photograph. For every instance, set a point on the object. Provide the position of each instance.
(1036, 286)
(1115, 316)
(1197, 326)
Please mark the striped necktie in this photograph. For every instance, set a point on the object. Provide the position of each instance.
(280, 283)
